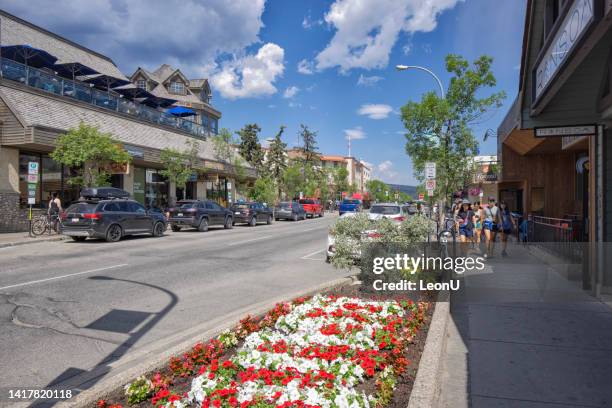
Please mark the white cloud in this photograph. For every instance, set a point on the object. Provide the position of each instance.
(305, 67)
(308, 22)
(355, 133)
(375, 111)
(292, 104)
(368, 80)
(251, 75)
(290, 92)
(407, 48)
(385, 171)
(367, 30)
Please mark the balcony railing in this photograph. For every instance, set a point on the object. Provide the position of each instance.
(57, 85)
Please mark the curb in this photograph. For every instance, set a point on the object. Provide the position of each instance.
(31, 241)
(427, 382)
(156, 356)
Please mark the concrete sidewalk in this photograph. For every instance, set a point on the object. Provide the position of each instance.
(10, 239)
(521, 335)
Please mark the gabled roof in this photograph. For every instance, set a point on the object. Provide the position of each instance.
(16, 31)
(147, 74)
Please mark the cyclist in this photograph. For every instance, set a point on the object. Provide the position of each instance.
(55, 208)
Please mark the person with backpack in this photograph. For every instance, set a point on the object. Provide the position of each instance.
(506, 226)
(54, 210)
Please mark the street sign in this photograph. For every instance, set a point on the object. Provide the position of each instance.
(430, 184)
(430, 170)
(32, 167)
(31, 200)
(560, 131)
(430, 193)
(421, 196)
(32, 178)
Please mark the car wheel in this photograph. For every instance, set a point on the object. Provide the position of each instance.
(253, 222)
(203, 225)
(79, 239)
(175, 228)
(295, 217)
(269, 220)
(229, 223)
(276, 219)
(321, 214)
(158, 229)
(114, 233)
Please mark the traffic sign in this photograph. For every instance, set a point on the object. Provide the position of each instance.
(430, 170)
(430, 184)
(421, 196)
(31, 200)
(32, 167)
(32, 178)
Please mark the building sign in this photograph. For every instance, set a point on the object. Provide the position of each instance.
(32, 184)
(569, 141)
(559, 131)
(134, 151)
(579, 17)
(32, 167)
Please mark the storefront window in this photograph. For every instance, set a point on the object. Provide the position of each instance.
(216, 190)
(156, 189)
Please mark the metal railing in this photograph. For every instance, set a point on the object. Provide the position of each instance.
(84, 92)
(563, 237)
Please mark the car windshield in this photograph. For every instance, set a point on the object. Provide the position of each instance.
(350, 202)
(241, 206)
(185, 206)
(82, 208)
(306, 201)
(385, 209)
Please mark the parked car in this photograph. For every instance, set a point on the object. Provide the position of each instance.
(349, 205)
(199, 214)
(395, 212)
(289, 210)
(312, 206)
(97, 216)
(251, 213)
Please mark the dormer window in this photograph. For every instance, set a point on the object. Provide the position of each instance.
(177, 88)
(142, 84)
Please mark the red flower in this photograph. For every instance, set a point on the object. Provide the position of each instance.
(101, 403)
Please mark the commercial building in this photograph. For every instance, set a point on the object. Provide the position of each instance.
(555, 145)
(359, 173)
(37, 104)
(484, 180)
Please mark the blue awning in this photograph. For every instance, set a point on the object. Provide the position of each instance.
(28, 55)
(181, 111)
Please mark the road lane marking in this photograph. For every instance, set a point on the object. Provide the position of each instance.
(64, 276)
(250, 240)
(314, 253)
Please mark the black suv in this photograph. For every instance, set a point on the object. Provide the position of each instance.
(199, 214)
(252, 213)
(105, 213)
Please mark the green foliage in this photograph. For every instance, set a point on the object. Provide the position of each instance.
(439, 130)
(223, 145)
(293, 180)
(139, 390)
(228, 338)
(91, 152)
(249, 147)
(379, 191)
(179, 166)
(277, 160)
(264, 190)
(309, 150)
(340, 179)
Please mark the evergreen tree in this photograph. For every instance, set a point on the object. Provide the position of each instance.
(277, 160)
(249, 147)
(310, 151)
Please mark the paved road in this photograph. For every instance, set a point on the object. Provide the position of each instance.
(67, 307)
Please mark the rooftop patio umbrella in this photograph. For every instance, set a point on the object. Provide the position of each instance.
(72, 69)
(181, 111)
(28, 55)
(158, 101)
(132, 92)
(106, 81)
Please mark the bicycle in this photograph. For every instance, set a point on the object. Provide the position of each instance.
(45, 223)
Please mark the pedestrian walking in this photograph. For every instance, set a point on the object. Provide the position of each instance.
(491, 219)
(478, 217)
(507, 225)
(465, 219)
(54, 209)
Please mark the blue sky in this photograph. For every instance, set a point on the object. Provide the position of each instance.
(327, 64)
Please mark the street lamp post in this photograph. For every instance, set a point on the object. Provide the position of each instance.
(406, 67)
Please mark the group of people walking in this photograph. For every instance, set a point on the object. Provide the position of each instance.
(478, 222)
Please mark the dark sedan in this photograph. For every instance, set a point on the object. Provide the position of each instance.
(251, 213)
(289, 210)
(199, 214)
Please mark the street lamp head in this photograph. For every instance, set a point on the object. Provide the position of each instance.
(401, 67)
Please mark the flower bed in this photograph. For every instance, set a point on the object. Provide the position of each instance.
(326, 351)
